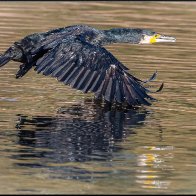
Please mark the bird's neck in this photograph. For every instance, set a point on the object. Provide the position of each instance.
(117, 35)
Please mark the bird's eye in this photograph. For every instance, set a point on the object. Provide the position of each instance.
(157, 35)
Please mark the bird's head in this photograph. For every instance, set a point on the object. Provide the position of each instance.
(150, 37)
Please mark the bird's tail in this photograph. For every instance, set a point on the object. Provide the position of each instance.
(4, 59)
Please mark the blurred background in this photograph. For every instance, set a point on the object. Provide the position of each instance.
(54, 139)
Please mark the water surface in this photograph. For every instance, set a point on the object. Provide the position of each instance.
(54, 139)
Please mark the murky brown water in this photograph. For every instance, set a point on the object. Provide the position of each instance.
(54, 139)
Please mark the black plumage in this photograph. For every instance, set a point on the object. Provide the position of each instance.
(75, 56)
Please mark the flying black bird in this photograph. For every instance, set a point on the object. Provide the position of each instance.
(75, 56)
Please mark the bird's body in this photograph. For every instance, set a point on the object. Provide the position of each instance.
(75, 56)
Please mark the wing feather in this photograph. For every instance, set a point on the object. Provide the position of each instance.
(77, 79)
(91, 68)
(94, 75)
(119, 93)
(84, 81)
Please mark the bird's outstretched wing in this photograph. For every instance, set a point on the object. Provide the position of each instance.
(91, 68)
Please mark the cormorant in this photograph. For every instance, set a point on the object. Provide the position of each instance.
(75, 56)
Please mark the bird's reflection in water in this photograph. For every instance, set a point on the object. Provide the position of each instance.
(79, 133)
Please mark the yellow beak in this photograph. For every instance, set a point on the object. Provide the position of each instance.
(162, 38)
